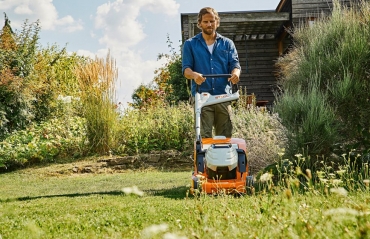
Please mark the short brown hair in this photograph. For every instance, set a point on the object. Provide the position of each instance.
(208, 10)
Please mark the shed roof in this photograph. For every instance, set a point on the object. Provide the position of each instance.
(240, 25)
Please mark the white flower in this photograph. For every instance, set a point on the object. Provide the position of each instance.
(323, 180)
(344, 211)
(65, 99)
(304, 206)
(133, 190)
(173, 236)
(152, 230)
(341, 172)
(266, 177)
(340, 191)
(336, 181)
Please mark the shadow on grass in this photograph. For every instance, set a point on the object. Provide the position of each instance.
(174, 193)
(71, 195)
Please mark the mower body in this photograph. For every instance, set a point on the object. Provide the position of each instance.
(220, 166)
(220, 163)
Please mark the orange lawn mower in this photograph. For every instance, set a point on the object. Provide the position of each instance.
(220, 163)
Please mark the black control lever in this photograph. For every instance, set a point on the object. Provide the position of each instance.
(234, 87)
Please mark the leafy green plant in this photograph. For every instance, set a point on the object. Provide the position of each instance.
(45, 142)
(157, 128)
(168, 85)
(31, 77)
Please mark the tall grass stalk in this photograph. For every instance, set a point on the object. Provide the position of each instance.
(325, 81)
(264, 134)
(97, 80)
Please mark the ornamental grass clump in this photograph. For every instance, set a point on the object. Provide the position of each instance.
(97, 79)
(325, 82)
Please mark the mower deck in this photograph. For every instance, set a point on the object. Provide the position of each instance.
(211, 185)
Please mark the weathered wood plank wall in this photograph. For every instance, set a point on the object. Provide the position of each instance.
(257, 59)
(302, 10)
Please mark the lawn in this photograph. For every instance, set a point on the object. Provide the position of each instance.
(43, 202)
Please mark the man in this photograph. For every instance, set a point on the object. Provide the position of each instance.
(211, 53)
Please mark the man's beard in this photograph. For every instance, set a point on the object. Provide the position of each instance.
(209, 31)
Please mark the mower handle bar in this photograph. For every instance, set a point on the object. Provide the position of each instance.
(234, 86)
(217, 75)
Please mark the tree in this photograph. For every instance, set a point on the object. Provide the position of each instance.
(14, 100)
(169, 84)
(31, 77)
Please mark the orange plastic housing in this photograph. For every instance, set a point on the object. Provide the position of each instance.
(215, 186)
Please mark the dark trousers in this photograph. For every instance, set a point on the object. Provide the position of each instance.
(217, 116)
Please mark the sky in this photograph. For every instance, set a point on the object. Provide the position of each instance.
(134, 31)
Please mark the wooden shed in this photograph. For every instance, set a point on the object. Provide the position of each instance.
(261, 37)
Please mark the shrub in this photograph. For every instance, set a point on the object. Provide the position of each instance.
(157, 128)
(325, 83)
(264, 134)
(45, 142)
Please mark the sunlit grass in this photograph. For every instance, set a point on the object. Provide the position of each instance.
(34, 205)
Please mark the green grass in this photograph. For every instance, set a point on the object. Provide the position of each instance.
(40, 203)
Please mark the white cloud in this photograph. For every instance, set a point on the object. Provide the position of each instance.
(122, 32)
(23, 10)
(70, 25)
(119, 27)
(86, 53)
(163, 7)
(8, 4)
(118, 21)
(43, 10)
(133, 71)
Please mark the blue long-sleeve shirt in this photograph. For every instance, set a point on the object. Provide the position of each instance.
(224, 58)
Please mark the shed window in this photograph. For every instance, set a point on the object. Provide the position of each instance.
(311, 21)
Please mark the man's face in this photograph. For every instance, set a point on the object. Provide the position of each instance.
(209, 24)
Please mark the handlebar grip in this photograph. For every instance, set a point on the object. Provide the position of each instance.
(217, 75)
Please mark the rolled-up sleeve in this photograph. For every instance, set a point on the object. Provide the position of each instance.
(233, 57)
(187, 57)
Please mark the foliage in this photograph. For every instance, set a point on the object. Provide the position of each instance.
(53, 76)
(45, 142)
(326, 84)
(17, 56)
(165, 127)
(32, 78)
(170, 78)
(147, 96)
(97, 80)
(264, 134)
(169, 84)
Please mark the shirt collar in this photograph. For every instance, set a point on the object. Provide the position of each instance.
(199, 36)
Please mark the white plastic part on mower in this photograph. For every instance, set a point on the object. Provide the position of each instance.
(221, 157)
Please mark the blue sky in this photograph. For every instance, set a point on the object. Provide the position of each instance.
(135, 31)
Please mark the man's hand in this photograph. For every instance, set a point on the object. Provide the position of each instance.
(198, 78)
(235, 76)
